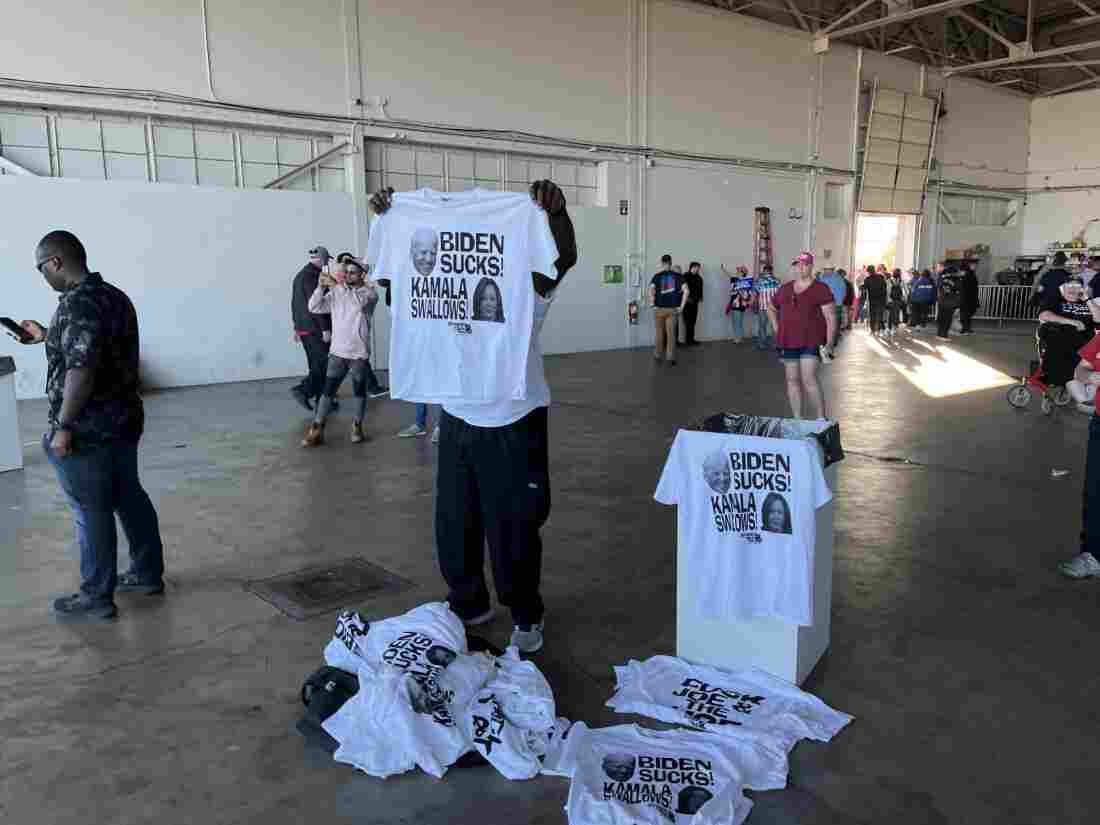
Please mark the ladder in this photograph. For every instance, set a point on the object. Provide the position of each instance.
(762, 240)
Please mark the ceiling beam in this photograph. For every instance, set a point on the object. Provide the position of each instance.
(798, 16)
(1069, 64)
(1027, 55)
(891, 19)
(965, 39)
(1070, 87)
(1076, 23)
(848, 15)
(1087, 9)
(982, 27)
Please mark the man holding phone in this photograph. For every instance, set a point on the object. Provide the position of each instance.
(96, 419)
(312, 330)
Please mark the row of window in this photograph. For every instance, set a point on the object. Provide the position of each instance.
(446, 169)
(965, 210)
(92, 147)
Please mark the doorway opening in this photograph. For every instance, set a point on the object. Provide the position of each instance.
(885, 239)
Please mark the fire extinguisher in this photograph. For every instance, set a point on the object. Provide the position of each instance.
(632, 312)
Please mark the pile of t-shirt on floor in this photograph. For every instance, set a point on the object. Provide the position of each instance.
(425, 701)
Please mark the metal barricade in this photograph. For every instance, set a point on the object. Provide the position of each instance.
(1005, 303)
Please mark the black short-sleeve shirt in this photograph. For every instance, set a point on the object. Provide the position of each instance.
(95, 327)
(1077, 310)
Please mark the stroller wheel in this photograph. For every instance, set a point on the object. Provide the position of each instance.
(1047, 405)
(1019, 396)
(1061, 397)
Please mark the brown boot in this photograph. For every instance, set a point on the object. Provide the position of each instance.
(315, 436)
(356, 432)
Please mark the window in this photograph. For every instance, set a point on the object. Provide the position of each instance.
(971, 210)
(407, 167)
(835, 201)
(96, 147)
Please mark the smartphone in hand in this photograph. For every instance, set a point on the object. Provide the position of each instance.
(15, 331)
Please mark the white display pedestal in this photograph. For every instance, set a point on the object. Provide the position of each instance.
(11, 445)
(773, 645)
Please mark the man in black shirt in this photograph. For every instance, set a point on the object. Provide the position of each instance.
(968, 306)
(875, 284)
(1046, 288)
(313, 331)
(96, 419)
(949, 298)
(694, 281)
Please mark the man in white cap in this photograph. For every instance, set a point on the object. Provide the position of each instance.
(314, 331)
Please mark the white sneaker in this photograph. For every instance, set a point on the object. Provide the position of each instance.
(435, 435)
(528, 638)
(412, 431)
(1081, 566)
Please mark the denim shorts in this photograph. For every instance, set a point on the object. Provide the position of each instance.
(798, 353)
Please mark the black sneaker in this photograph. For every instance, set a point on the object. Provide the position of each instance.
(299, 395)
(74, 608)
(129, 583)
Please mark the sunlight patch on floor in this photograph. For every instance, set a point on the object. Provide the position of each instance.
(937, 369)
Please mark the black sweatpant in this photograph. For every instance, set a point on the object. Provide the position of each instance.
(690, 315)
(944, 318)
(877, 312)
(966, 317)
(493, 486)
(317, 359)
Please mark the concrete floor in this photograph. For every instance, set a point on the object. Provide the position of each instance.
(970, 666)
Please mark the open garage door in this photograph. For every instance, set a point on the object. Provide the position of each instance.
(901, 137)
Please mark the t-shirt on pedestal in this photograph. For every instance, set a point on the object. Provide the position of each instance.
(746, 521)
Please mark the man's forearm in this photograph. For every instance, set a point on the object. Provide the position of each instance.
(565, 238)
(78, 389)
(561, 227)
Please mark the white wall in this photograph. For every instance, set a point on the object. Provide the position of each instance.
(706, 214)
(674, 76)
(1063, 153)
(208, 270)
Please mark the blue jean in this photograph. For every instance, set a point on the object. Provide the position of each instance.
(99, 482)
(422, 415)
(763, 331)
(738, 319)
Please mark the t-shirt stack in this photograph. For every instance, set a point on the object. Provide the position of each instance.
(425, 701)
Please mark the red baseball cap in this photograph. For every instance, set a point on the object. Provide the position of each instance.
(805, 258)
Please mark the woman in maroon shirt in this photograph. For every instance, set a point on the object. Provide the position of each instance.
(802, 314)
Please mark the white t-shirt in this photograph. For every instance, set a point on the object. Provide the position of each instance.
(724, 702)
(463, 301)
(747, 520)
(503, 413)
(426, 638)
(628, 775)
(511, 721)
(397, 722)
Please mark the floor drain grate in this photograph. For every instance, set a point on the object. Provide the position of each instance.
(319, 589)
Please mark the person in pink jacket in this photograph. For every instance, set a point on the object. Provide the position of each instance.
(351, 301)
